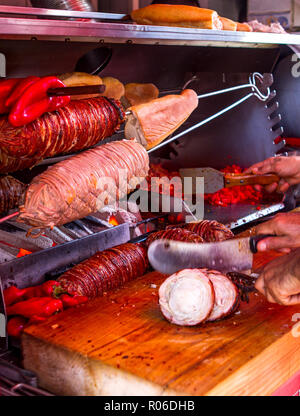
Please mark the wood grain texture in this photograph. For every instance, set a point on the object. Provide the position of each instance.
(128, 343)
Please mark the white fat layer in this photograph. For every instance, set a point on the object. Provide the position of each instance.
(133, 130)
(188, 298)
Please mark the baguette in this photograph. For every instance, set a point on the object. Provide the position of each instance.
(244, 27)
(177, 15)
(80, 79)
(228, 24)
(152, 122)
(136, 94)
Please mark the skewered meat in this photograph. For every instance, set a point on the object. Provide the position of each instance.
(106, 270)
(210, 231)
(11, 193)
(187, 297)
(226, 296)
(79, 125)
(193, 296)
(83, 184)
(176, 234)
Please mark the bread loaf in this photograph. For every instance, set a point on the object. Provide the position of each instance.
(136, 94)
(80, 79)
(113, 88)
(228, 24)
(152, 122)
(244, 27)
(177, 15)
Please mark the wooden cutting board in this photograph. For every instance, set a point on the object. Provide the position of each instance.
(121, 345)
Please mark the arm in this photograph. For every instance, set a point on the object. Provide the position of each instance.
(288, 168)
(280, 280)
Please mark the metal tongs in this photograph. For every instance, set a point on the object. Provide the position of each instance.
(255, 91)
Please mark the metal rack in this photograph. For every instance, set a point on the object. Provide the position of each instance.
(34, 23)
(255, 91)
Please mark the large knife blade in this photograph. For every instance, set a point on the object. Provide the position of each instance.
(168, 256)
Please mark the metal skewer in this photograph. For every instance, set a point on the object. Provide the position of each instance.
(255, 92)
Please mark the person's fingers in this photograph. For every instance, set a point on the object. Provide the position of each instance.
(293, 300)
(268, 227)
(258, 188)
(284, 250)
(271, 188)
(260, 284)
(274, 243)
(260, 167)
(283, 186)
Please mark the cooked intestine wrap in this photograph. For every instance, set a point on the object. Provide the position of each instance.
(83, 184)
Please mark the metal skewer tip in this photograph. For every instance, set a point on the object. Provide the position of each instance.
(8, 217)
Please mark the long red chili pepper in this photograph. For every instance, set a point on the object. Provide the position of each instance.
(35, 101)
(45, 289)
(16, 325)
(36, 306)
(12, 295)
(6, 88)
(71, 301)
(19, 90)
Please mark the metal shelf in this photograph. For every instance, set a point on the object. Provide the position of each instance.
(34, 27)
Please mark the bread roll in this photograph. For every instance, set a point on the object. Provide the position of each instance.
(80, 79)
(177, 15)
(152, 122)
(228, 24)
(113, 88)
(244, 27)
(136, 94)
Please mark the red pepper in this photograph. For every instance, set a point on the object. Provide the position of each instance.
(19, 90)
(35, 319)
(12, 295)
(16, 325)
(6, 87)
(71, 301)
(45, 289)
(36, 306)
(35, 101)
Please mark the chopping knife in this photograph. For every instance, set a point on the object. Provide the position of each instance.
(168, 256)
(214, 180)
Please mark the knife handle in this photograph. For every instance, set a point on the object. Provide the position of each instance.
(256, 239)
(231, 180)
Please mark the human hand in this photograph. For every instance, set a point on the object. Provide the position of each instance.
(287, 168)
(280, 280)
(286, 227)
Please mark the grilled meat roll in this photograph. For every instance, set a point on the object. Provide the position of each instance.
(85, 183)
(210, 231)
(176, 234)
(79, 125)
(11, 193)
(106, 270)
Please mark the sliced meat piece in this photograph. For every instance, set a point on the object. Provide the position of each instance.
(226, 296)
(187, 297)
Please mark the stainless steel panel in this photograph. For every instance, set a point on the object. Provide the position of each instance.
(120, 32)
